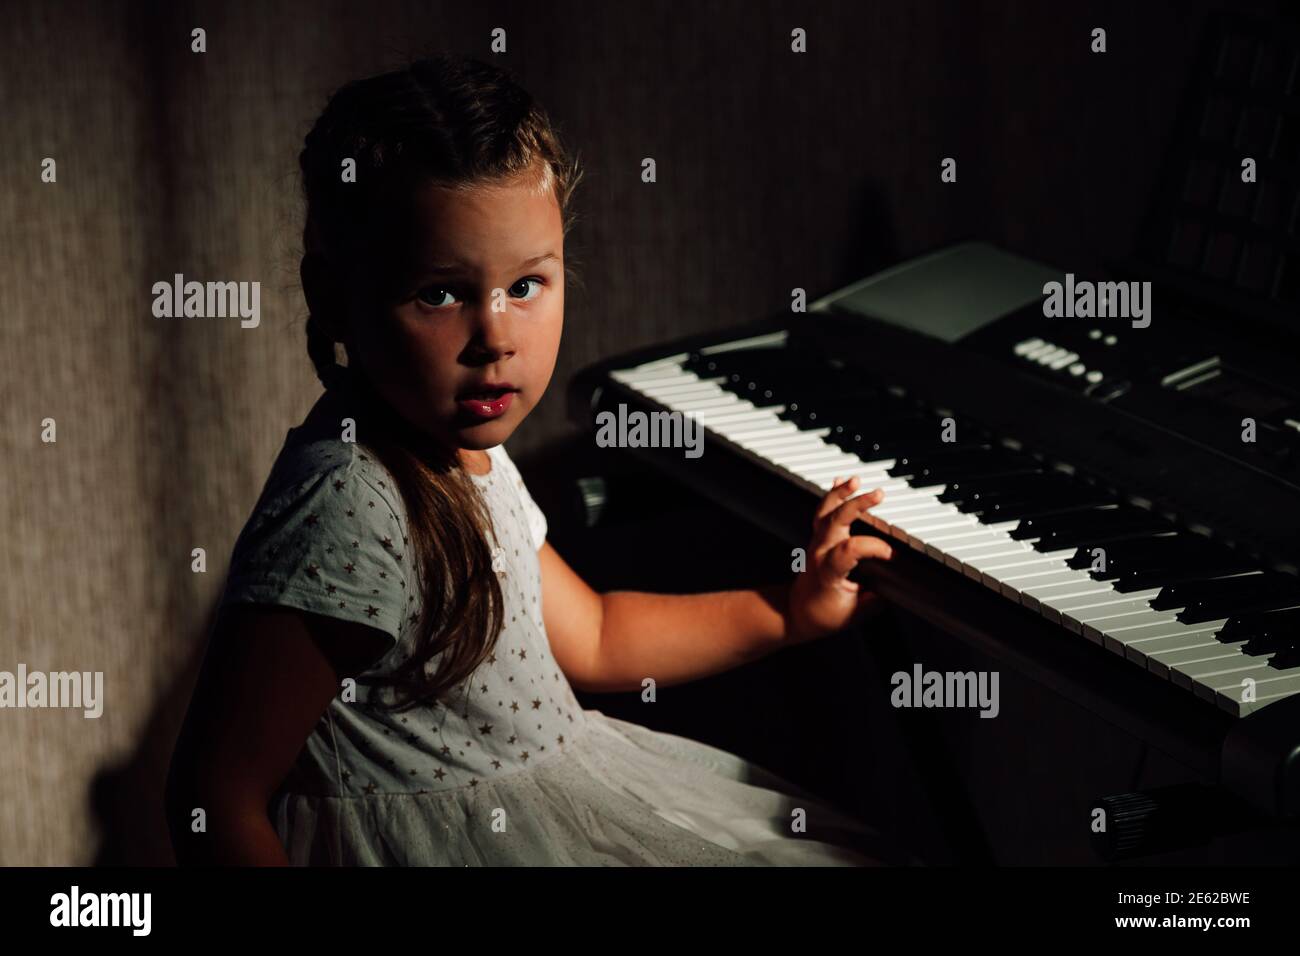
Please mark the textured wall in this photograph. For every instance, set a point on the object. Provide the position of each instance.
(775, 171)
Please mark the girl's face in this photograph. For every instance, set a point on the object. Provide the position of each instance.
(472, 298)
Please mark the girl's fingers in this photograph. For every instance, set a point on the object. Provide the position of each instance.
(840, 493)
(844, 557)
(852, 509)
(830, 528)
(840, 490)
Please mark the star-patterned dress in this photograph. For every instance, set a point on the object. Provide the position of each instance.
(507, 768)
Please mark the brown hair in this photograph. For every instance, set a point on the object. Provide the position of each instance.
(457, 122)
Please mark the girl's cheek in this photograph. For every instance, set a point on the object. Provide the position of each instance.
(395, 345)
(544, 349)
(420, 332)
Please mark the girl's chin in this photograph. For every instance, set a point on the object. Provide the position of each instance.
(483, 434)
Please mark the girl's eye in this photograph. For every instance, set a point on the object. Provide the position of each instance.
(434, 296)
(524, 294)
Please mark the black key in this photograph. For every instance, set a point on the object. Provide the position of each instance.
(1042, 508)
(1287, 658)
(923, 464)
(843, 411)
(1226, 588)
(994, 465)
(892, 439)
(1160, 577)
(1202, 611)
(1126, 551)
(892, 429)
(1011, 486)
(1144, 563)
(1268, 625)
(1206, 600)
(1264, 633)
(1093, 527)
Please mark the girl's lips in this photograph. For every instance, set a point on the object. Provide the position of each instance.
(486, 409)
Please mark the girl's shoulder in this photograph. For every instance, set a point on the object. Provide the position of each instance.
(327, 534)
(354, 475)
(322, 448)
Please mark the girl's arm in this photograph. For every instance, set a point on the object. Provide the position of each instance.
(268, 676)
(613, 641)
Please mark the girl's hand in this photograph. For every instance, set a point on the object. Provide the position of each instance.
(822, 599)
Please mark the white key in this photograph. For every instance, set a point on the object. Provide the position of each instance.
(1229, 691)
(1115, 627)
(666, 375)
(933, 521)
(1001, 546)
(868, 477)
(909, 495)
(876, 471)
(1193, 676)
(1007, 564)
(716, 418)
(855, 466)
(1266, 679)
(682, 391)
(944, 545)
(761, 429)
(977, 536)
(1070, 610)
(1151, 653)
(1037, 598)
(1115, 597)
(1018, 586)
(971, 565)
(1137, 642)
(1164, 662)
(993, 574)
(711, 403)
(906, 506)
(1099, 615)
(815, 459)
(1051, 565)
(865, 482)
(919, 517)
(1280, 690)
(869, 483)
(917, 534)
(723, 412)
(797, 440)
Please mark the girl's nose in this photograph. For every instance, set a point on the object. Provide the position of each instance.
(494, 330)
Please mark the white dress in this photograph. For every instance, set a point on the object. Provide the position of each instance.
(508, 768)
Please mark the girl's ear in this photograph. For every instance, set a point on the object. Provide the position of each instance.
(323, 290)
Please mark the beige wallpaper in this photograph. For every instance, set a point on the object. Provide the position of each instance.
(774, 172)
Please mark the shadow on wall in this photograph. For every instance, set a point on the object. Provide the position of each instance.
(126, 800)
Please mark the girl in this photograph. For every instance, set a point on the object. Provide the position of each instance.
(389, 678)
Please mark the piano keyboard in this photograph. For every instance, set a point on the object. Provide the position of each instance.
(1177, 604)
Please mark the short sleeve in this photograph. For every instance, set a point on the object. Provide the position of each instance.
(330, 544)
(536, 517)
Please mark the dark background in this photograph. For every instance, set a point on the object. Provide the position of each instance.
(775, 170)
